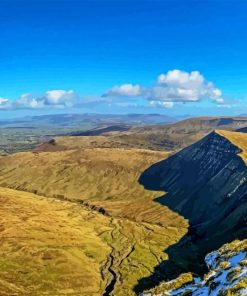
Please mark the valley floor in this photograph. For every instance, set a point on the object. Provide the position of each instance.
(74, 219)
(57, 247)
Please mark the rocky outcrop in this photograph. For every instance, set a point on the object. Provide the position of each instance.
(227, 275)
(207, 184)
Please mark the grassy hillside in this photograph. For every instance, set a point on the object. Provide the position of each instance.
(238, 139)
(45, 243)
(131, 235)
(207, 184)
(150, 131)
(178, 135)
(95, 195)
(53, 247)
(107, 178)
(163, 137)
(23, 134)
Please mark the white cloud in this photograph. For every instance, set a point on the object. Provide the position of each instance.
(3, 100)
(170, 88)
(27, 101)
(125, 90)
(227, 106)
(59, 97)
(52, 98)
(3, 103)
(181, 86)
(174, 86)
(180, 78)
(159, 104)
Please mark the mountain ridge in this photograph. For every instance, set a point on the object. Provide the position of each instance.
(205, 183)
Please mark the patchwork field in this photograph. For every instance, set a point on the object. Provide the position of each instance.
(96, 231)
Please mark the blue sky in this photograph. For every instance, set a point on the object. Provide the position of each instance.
(87, 49)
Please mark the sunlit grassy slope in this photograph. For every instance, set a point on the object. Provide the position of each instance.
(237, 139)
(50, 246)
(101, 176)
(83, 244)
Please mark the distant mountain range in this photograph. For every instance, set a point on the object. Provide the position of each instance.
(173, 136)
(148, 131)
(96, 120)
(24, 134)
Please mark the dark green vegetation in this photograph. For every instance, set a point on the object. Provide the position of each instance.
(206, 184)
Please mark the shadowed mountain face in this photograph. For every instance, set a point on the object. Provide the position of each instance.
(205, 183)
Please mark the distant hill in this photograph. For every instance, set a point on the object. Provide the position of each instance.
(183, 133)
(95, 120)
(23, 134)
(101, 130)
(142, 131)
(168, 137)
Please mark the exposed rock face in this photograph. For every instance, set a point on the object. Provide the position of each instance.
(207, 184)
(227, 275)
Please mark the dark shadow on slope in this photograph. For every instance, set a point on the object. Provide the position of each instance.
(188, 256)
(205, 183)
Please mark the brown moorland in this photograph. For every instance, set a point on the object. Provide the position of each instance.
(132, 230)
(166, 137)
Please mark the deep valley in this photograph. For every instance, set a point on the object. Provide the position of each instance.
(90, 215)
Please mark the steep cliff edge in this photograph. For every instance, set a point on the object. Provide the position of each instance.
(207, 184)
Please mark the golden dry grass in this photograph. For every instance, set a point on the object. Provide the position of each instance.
(102, 176)
(49, 246)
(238, 139)
(113, 140)
(70, 143)
(135, 233)
(53, 247)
